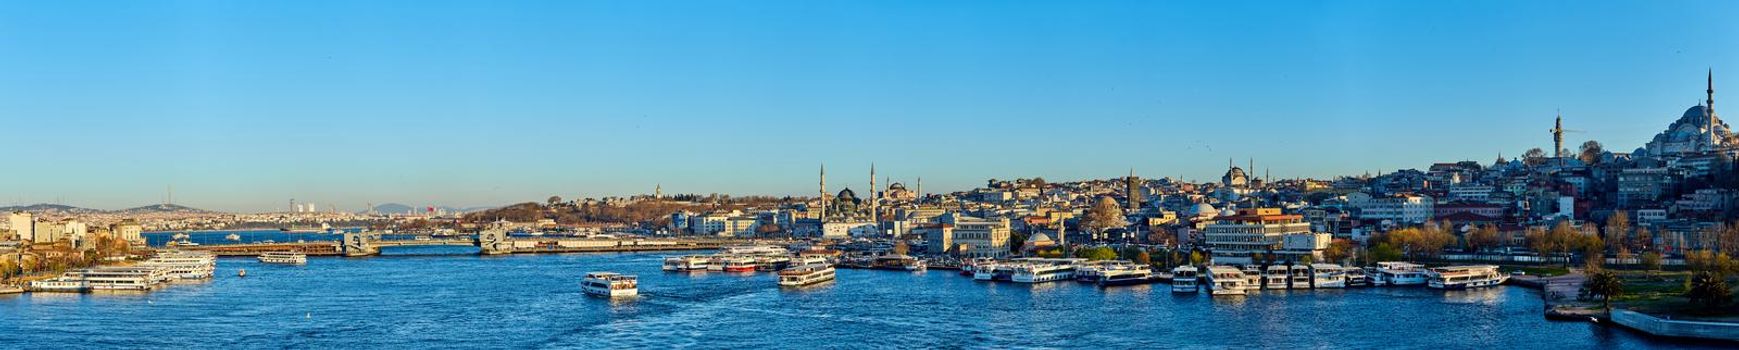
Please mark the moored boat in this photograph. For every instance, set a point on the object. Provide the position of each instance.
(1329, 276)
(687, 263)
(739, 264)
(1397, 273)
(897, 262)
(1185, 279)
(1126, 277)
(1227, 280)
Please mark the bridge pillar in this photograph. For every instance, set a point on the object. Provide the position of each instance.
(358, 244)
(493, 241)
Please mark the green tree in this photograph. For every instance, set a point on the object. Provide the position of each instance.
(1606, 285)
(1385, 252)
(1196, 258)
(1651, 261)
(1708, 289)
(1097, 253)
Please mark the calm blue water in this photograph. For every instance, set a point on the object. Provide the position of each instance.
(157, 239)
(438, 297)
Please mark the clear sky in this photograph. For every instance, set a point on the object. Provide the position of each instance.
(245, 105)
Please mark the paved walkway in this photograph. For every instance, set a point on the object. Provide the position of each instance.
(1557, 289)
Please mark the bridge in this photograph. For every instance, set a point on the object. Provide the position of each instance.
(489, 242)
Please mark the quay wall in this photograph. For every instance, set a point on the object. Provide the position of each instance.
(1676, 328)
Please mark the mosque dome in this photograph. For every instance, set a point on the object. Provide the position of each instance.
(896, 186)
(1203, 209)
(846, 195)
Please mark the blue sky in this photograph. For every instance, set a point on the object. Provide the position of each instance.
(245, 105)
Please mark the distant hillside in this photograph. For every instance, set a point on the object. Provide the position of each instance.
(396, 208)
(162, 208)
(49, 208)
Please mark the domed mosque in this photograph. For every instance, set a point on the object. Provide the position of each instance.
(1698, 130)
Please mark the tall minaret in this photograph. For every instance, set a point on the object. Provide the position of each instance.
(1709, 106)
(824, 192)
(920, 199)
(875, 214)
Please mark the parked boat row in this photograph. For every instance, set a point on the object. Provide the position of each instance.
(165, 267)
(287, 257)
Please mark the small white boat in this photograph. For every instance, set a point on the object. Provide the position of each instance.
(1397, 273)
(610, 285)
(1185, 279)
(292, 258)
(805, 275)
(1227, 280)
(233, 237)
(1465, 277)
(242, 273)
(687, 263)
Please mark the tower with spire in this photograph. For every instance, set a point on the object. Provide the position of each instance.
(874, 200)
(1709, 107)
(1558, 136)
(823, 193)
(1132, 190)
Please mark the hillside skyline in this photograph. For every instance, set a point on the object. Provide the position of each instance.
(470, 105)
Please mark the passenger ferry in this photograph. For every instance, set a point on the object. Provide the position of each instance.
(772, 263)
(805, 275)
(184, 265)
(1185, 279)
(988, 271)
(1302, 277)
(739, 264)
(63, 284)
(1329, 275)
(753, 250)
(687, 263)
(1356, 277)
(970, 267)
(1465, 277)
(114, 278)
(1397, 273)
(1092, 272)
(1275, 277)
(1252, 277)
(1045, 270)
(610, 285)
(1126, 277)
(897, 262)
(1227, 280)
(291, 258)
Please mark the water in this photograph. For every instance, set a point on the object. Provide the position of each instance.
(158, 239)
(440, 297)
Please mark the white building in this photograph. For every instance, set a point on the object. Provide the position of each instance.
(24, 225)
(1235, 239)
(1405, 208)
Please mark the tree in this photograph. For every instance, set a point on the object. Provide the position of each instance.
(1196, 258)
(1017, 241)
(1339, 250)
(1591, 151)
(1484, 237)
(1104, 215)
(1651, 261)
(1617, 231)
(1708, 289)
(1385, 252)
(900, 248)
(553, 200)
(1144, 258)
(1097, 253)
(1534, 157)
(1644, 240)
(1606, 285)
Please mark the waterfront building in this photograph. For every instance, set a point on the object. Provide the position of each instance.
(24, 225)
(1234, 239)
(129, 230)
(1410, 208)
(966, 236)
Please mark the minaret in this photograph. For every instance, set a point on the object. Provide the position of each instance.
(1709, 107)
(920, 199)
(875, 216)
(824, 193)
(658, 191)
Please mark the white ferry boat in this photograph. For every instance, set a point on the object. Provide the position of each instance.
(1397, 273)
(1275, 277)
(897, 262)
(1301, 277)
(1465, 277)
(1329, 275)
(1356, 277)
(292, 258)
(1092, 272)
(184, 265)
(1227, 280)
(1185, 279)
(113, 278)
(753, 250)
(1047, 270)
(687, 263)
(610, 285)
(986, 271)
(61, 284)
(1252, 277)
(739, 264)
(772, 262)
(805, 275)
(1126, 277)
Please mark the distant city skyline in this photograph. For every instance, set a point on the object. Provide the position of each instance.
(242, 107)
